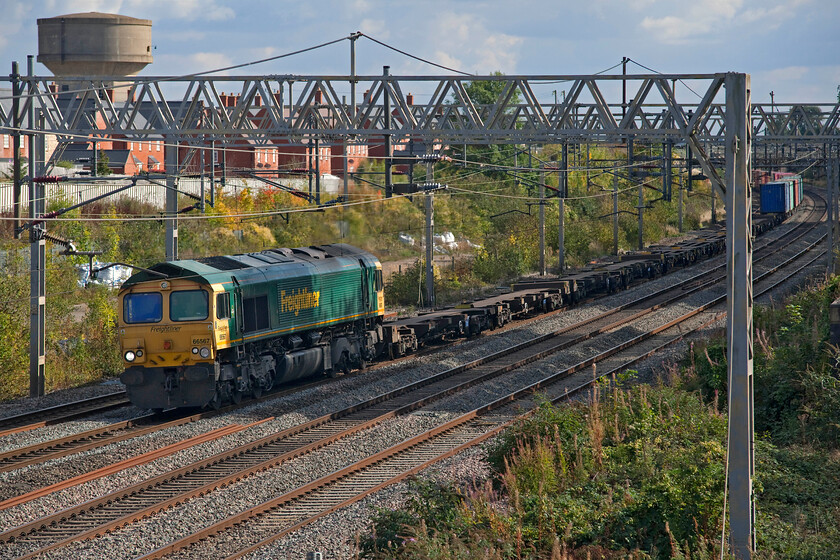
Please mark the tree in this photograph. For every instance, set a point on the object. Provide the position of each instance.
(484, 94)
(102, 164)
(487, 92)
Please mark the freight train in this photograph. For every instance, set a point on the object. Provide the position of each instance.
(197, 333)
(207, 331)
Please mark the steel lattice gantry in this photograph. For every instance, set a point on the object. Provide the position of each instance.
(288, 108)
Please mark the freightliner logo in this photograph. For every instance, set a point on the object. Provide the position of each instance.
(298, 300)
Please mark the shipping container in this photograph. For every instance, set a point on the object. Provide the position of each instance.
(776, 198)
(790, 196)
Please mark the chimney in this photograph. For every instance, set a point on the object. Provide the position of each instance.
(409, 99)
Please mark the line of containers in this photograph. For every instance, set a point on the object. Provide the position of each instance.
(781, 194)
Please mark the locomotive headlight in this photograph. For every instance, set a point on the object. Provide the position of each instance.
(205, 352)
(139, 353)
(129, 356)
(195, 350)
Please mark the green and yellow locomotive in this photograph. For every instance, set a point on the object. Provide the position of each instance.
(203, 332)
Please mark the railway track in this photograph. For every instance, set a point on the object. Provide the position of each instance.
(61, 413)
(246, 532)
(323, 431)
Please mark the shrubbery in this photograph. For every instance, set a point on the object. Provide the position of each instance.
(640, 472)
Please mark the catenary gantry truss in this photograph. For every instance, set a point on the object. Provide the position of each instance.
(268, 108)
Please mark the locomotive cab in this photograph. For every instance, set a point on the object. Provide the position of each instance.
(168, 332)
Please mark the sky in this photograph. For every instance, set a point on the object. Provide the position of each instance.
(790, 47)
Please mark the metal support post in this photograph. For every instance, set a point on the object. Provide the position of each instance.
(680, 209)
(641, 208)
(739, 315)
(836, 195)
(667, 178)
(829, 191)
(346, 171)
(224, 164)
(542, 220)
(430, 240)
(587, 167)
(836, 160)
(563, 185)
(213, 173)
(171, 219)
(16, 91)
(37, 257)
(688, 167)
(714, 206)
(202, 197)
(615, 208)
(389, 186)
(353, 38)
(317, 171)
(309, 166)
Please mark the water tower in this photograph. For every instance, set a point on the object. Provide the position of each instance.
(94, 44)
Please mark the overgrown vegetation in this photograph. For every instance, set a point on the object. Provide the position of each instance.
(640, 472)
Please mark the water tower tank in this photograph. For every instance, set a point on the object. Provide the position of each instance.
(94, 44)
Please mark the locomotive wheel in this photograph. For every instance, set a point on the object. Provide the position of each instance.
(256, 389)
(216, 401)
(236, 396)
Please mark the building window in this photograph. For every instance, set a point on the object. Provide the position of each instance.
(259, 156)
(5, 140)
(158, 142)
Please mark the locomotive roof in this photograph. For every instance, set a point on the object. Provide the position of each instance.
(220, 269)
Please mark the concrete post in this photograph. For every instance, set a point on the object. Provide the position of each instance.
(739, 315)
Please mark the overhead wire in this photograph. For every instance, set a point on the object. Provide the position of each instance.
(657, 72)
(425, 61)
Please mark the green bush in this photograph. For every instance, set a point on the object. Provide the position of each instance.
(639, 473)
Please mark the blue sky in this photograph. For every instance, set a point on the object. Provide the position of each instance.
(791, 47)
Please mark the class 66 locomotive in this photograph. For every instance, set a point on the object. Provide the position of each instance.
(203, 332)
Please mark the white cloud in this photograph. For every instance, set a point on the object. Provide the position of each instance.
(204, 61)
(708, 19)
(479, 49)
(376, 28)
